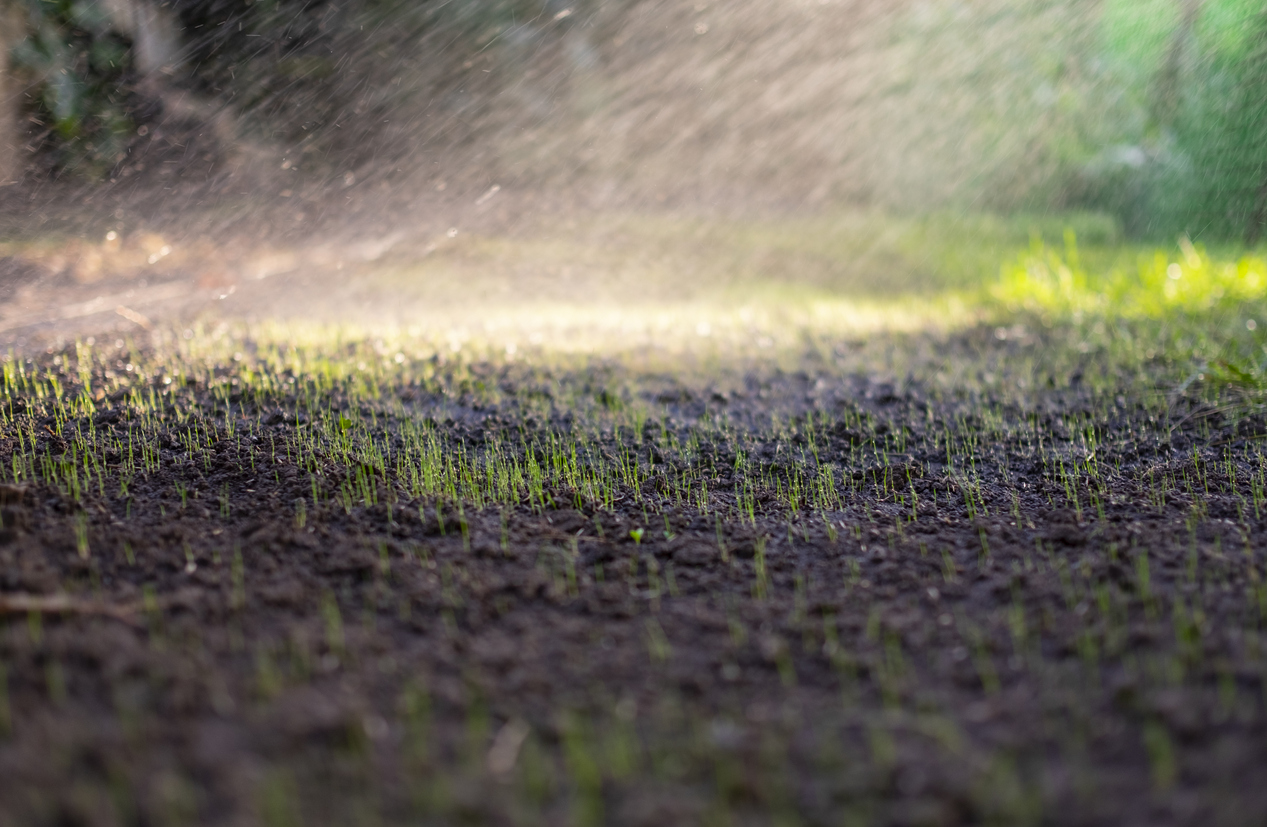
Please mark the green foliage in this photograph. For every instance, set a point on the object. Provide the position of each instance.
(298, 69)
(1224, 133)
(1124, 106)
(1048, 281)
(1199, 308)
(80, 71)
(1152, 110)
(1194, 160)
(1136, 33)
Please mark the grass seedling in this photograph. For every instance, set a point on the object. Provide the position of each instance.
(237, 579)
(335, 412)
(761, 583)
(6, 711)
(1161, 756)
(81, 535)
(333, 624)
(657, 643)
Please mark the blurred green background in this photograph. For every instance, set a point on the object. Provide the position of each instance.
(1152, 112)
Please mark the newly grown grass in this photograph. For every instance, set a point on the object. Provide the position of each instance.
(763, 566)
(1198, 310)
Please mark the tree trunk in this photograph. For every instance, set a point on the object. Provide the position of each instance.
(1253, 108)
(11, 31)
(154, 30)
(1166, 86)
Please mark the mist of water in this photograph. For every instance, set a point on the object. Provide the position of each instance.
(281, 139)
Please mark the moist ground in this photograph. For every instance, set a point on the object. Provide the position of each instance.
(828, 594)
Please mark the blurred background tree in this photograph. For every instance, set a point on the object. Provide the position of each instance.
(1220, 131)
(1196, 159)
(1154, 111)
(91, 79)
(11, 31)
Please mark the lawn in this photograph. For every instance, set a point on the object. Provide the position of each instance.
(652, 520)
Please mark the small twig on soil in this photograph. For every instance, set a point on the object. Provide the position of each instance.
(62, 604)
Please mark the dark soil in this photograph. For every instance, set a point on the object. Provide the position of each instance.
(973, 635)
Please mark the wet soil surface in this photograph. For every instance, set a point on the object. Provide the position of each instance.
(1034, 609)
